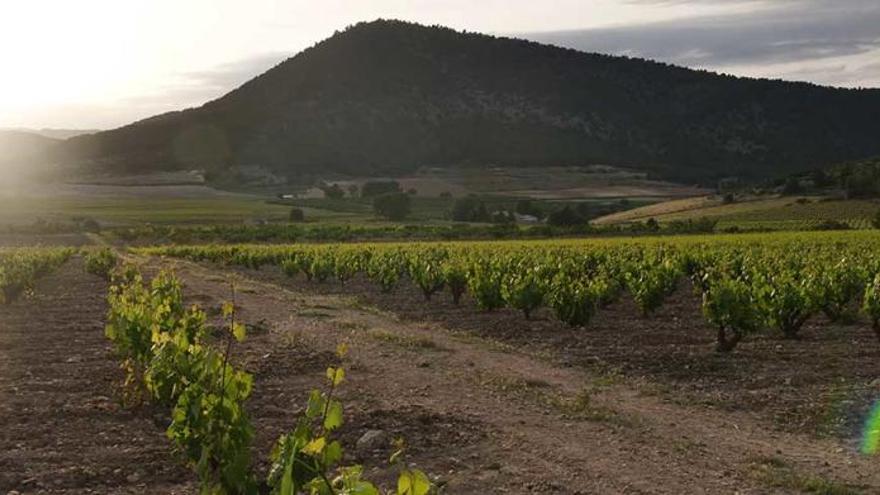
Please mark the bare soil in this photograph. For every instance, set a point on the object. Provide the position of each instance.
(823, 384)
(62, 429)
(493, 403)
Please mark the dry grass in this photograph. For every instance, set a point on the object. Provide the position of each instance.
(658, 210)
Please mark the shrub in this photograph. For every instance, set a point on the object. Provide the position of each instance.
(831, 225)
(393, 206)
(333, 191)
(573, 300)
(456, 277)
(484, 283)
(100, 262)
(469, 209)
(871, 304)
(523, 287)
(297, 215)
(528, 207)
(565, 217)
(786, 301)
(728, 305)
(792, 187)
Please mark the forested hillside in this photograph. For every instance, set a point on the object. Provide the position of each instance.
(389, 96)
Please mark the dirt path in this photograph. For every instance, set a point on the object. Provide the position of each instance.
(487, 418)
(62, 430)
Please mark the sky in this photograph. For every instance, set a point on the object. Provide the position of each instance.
(99, 64)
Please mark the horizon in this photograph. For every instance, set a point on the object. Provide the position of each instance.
(152, 76)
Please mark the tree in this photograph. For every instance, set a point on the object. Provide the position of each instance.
(792, 186)
(566, 217)
(333, 191)
(502, 217)
(821, 179)
(375, 188)
(393, 206)
(353, 190)
(469, 209)
(297, 215)
(527, 207)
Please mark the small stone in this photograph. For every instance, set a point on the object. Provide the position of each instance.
(371, 440)
(133, 478)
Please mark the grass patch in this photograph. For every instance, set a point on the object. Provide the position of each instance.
(405, 341)
(350, 325)
(129, 210)
(776, 473)
(579, 407)
(311, 313)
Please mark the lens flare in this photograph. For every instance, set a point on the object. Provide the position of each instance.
(871, 433)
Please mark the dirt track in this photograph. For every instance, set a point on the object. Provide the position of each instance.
(485, 415)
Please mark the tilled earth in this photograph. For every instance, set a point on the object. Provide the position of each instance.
(824, 383)
(63, 431)
(487, 402)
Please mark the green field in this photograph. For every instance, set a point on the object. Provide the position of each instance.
(133, 210)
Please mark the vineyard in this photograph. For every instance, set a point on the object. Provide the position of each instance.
(748, 284)
(445, 366)
(777, 213)
(20, 268)
(167, 359)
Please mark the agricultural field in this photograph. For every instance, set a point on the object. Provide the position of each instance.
(184, 198)
(113, 205)
(780, 213)
(730, 363)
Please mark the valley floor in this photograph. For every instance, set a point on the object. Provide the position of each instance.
(487, 402)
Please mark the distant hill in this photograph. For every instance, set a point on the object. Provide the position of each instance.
(54, 133)
(390, 96)
(16, 146)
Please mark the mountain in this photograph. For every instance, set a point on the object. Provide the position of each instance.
(390, 96)
(16, 146)
(54, 133)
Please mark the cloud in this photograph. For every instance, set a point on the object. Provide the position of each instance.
(232, 75)
(781, 34)
(197, 87)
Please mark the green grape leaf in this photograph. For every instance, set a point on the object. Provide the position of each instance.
(413, 482)
(228, 309)
(333, 419)
(363, 488)
(238, 331)
(316, 446)
(335, 375)
(316, 405)
(332, 453)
